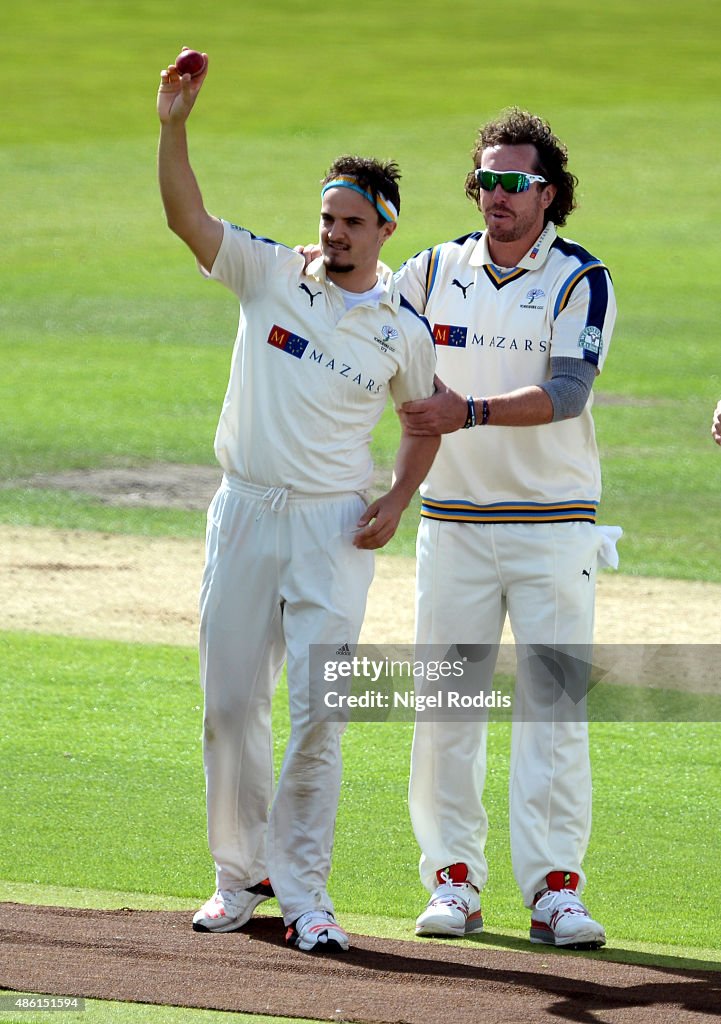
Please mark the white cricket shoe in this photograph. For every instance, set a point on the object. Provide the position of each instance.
(454, 908)
(317, 932)
(559, 918)
(227, 910)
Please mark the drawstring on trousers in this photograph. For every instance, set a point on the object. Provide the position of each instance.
(275, 499)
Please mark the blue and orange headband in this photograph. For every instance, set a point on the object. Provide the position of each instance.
(384, 206)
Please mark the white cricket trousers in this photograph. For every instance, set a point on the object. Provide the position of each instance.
(281, 574)
(469, 576)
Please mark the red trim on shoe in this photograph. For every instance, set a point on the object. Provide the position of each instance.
(331, 945)
(456, 873)
(474, 920)
(557, 880)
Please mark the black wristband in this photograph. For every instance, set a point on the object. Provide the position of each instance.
(485, 412)
(471, 414)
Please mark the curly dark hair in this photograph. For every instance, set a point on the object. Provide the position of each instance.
(516, 127)
(372, 175)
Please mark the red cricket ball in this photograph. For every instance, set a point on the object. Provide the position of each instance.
(190, 62)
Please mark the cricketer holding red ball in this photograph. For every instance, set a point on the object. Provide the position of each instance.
(290, 533)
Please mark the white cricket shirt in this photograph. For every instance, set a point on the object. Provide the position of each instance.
(309, 379)
(496, 330)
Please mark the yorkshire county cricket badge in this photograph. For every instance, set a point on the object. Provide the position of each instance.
(591, 340)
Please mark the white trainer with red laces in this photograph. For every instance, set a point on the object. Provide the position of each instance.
(317, 932)
(454, 909)
(559, 918)
(228, 910)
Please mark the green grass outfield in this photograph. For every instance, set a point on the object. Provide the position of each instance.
(101, 742)
(114, 352)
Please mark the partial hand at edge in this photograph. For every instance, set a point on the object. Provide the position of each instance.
(716, 425)
(309, 252)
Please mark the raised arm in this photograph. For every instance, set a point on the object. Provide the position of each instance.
(182, 199)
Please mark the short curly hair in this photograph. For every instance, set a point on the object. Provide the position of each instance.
(516, 127)
(372, 175)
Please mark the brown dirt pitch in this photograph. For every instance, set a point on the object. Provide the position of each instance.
(154, 957)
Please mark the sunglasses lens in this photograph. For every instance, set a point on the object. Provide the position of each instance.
(510, 181)
(514, 181)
